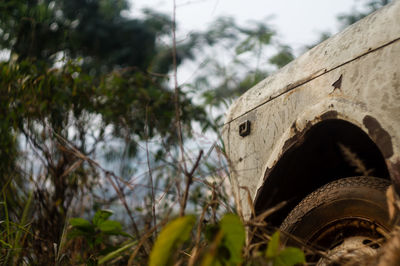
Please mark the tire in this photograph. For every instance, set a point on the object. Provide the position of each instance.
(350, 210)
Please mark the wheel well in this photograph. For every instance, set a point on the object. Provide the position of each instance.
(316, 161)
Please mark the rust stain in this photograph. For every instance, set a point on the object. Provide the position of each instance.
(291, 141)
(329, 115)
(289, 93)
(296, 140)
(298, 136)
(305, 80)
(379, 135)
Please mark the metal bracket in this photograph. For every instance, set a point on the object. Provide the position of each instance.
(244, 128)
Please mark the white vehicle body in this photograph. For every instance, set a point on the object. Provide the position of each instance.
(283, 136)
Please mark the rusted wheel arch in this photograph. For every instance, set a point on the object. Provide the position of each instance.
(315, 161)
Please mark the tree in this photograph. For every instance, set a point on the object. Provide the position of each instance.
(356, 14)
(80, 74)
(245, 49)
(346, 19)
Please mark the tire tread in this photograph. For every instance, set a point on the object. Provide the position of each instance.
(324, 193)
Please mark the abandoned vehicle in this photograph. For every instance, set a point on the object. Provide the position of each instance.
(323, 135)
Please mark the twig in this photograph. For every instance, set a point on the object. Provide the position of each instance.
(123, 200)
(249, 200)
(189, 180)
(235, 183)
(177, 91)
(189, 175)
(80, 155)
(195, 251)
(153, 208)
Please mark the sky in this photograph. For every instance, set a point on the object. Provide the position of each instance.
(298, 22)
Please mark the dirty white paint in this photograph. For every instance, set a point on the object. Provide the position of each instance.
(367, 58)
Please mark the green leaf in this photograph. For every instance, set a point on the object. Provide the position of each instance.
(110, 227)
(283, 57)
(210, 260)
(115, 253)
(265, 38)
(234, 236)
(5, 244)
(273, 246)
(174, 234)
(210, 231)
(213, 257)
(80, 223)
(23, 222)
(245, 46)
(289, 256)
(101, 215)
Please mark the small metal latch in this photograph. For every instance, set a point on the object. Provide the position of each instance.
(244, 128)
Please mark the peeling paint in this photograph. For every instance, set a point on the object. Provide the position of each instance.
(297, 137)
(330, 115)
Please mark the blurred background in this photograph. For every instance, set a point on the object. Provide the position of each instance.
(110, 112)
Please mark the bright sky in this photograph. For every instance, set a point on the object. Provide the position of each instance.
(298, 22)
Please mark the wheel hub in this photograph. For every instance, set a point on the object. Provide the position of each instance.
(350, 249)
(348, 239)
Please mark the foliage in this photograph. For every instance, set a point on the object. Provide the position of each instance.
(43, 107)
(224, 244)
(13, 234)
(226, 247)
(346, 19)
(283, 57)
(246, 65)
(172, 236)
(234, 59)
(357, 14)
(79, 84)
(283, 257)
(97, 234)
(97, 31)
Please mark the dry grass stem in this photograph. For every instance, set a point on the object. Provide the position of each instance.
(354, 160)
